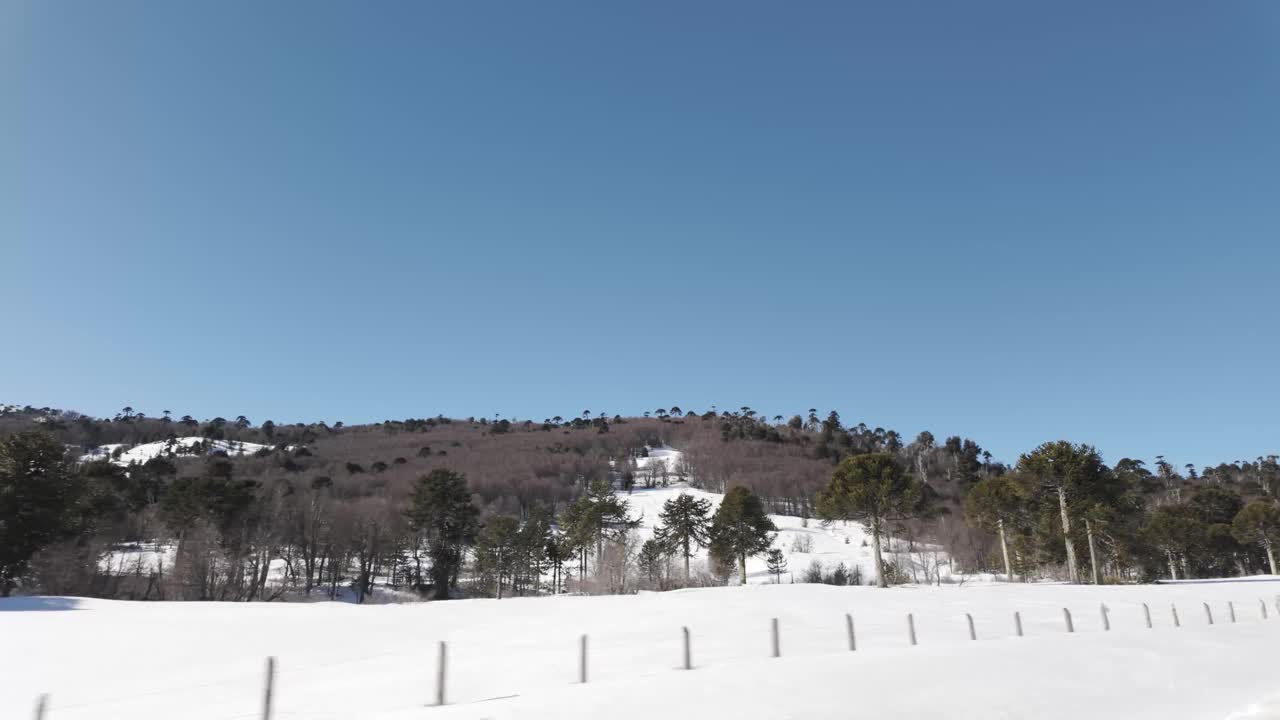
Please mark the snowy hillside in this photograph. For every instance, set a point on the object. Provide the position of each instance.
(166, 448)
(803, 542)
(517, 658)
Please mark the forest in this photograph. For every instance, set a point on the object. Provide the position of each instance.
(451, 507)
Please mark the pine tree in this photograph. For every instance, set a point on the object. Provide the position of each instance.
(740, 529)
(686, 526)
(653, 554)
(595, 515)
(777, 563)
(497, 550)
(39, 496)
(441, 509)
(997, 503)
(1258, 523)
(873, 489)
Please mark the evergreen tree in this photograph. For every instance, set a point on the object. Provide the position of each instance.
(1258, 523)
(440, 508)
(39, 501)
(686, 525)
(997, 503)
(497, 550)
(595, 515)
(777, 563)
(653, 554)
(872, 489)
(741, 528)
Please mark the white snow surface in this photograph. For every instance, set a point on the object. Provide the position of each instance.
(829, 545)
(181, 446)
(517, 658)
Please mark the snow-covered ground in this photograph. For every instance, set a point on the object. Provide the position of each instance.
(802, 541)
(164, 448)
(517, 658)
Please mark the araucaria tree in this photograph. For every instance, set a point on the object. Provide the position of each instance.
(997, 503)
(594, 516)
(1258, 523)
(777, 563)
(740, 529)
(441, 510)
(686, 526)
(497, 547)
(875, 490)
(1073, 483)
(38, 501)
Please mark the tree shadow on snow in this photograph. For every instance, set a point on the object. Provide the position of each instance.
(38, 604)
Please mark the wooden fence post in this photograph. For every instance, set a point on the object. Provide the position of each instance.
(911, 628)
(269, 688)
(1066, 615)
(1208, 614)
(1263, 604)
(582, 659)
(1147, 612)
(688, 654)
(1106, 619)
(440, 673)
(973, 634)
(41, 703)
(1017, 622)
(848, 625)
(1176, 622)
(1231, 610)
(777, 646)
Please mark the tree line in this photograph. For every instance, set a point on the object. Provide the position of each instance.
(539, 507)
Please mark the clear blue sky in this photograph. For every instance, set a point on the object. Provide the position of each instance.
(1012, 221)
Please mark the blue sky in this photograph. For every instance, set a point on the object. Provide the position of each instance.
(1011, 221)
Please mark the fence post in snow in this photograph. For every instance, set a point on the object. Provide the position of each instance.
(41, 703)
(1146, 611)
(1066, 615)
(582, 659)
(1208, 614)
(911, 628)
(1231, 610)
(777, 647)
(688, 655)
(848, 625)
(269, 689)
(1017, 622)
(973, 634)
(1263, 604)
(1106, 619)
(1176, 622)
(440, 673)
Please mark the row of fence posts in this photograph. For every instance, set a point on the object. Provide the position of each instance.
(268, 692)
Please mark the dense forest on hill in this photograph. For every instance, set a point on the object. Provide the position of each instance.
(349, 506)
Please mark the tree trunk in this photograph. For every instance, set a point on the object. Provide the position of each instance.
(1271, 557)
(1173, 567)
(742, 567)
(686, 561)
(1093, 554)
(875, 544)
(1004, 548)
(1066, 535)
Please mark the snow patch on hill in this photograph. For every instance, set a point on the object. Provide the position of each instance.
(168, 448)
(802, 541)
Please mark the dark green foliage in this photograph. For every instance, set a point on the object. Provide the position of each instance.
(873, 489)
(39, 501)
(685, 526)
(740, 529)
(777, 563)
(440, 509)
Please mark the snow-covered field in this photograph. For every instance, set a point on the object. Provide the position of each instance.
(517, 658)
(801, 541)
(164, 448)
